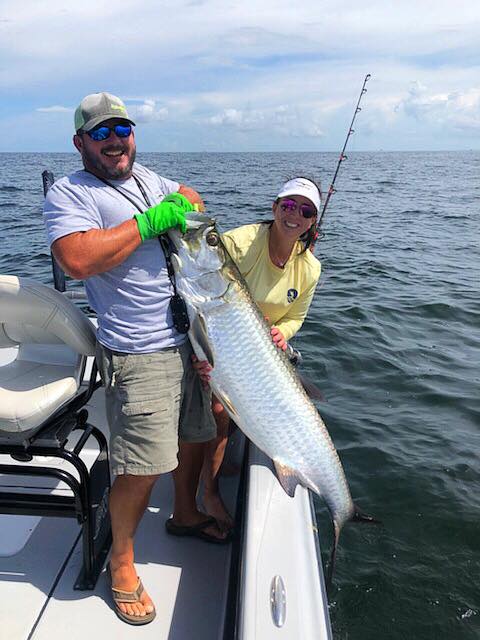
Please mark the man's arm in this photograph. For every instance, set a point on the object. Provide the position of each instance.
(87, 253)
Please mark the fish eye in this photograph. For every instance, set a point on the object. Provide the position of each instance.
(212, 238)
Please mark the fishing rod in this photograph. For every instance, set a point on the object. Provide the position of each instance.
(343, 157)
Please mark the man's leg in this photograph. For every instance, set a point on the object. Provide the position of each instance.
(186, 478)
(213, 458)
(128, 500)
(143, 444)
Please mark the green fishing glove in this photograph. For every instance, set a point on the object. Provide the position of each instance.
(170, 213)
(180, 200)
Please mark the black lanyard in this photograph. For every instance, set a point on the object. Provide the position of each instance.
(177, 304)
(142, 190)
(126, 195)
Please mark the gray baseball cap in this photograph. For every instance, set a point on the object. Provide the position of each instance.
(98, 107)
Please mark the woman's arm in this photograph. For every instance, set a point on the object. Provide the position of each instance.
(297, 311)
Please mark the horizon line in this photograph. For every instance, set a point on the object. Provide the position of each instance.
(275, 151)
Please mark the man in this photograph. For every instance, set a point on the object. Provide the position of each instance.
(103, 225)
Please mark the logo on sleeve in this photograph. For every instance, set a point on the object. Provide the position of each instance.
(291, 295)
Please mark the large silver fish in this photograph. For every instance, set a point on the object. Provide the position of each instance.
(253, 378)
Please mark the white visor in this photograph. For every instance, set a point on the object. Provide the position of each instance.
(301, 187)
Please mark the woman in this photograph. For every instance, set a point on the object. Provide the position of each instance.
(281, 273)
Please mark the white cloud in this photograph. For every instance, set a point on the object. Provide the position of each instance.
(242, 119)
(147, 112)
(224, 34)
(285, 69)
(56, 108)
(459, 110)
(281, 119)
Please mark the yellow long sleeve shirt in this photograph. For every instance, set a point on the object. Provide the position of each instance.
(283, 295)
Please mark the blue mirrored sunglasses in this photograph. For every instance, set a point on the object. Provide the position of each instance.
(103, 132)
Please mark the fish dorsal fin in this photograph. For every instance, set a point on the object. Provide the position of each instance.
(289, 478)
(199, 335)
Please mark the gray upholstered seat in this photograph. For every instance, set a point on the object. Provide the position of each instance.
(51, 338)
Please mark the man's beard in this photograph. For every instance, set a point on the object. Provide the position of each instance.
(109, 173)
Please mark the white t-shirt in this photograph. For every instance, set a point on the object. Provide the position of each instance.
(131, 300)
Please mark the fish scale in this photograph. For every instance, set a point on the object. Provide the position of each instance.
(275, 412)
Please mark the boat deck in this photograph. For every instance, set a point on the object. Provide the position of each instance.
(40, 559)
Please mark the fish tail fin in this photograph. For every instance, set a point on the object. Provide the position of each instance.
(333, 554)
(359, 516)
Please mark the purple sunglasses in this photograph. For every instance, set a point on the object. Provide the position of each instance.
(306, 210)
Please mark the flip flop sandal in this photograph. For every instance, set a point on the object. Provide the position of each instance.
(196, 531)
(131, 597)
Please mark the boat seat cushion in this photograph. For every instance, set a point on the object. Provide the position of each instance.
(31, 312)
(31, 390)
(52, 338)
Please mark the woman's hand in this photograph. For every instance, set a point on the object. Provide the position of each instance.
(278, 339)
(202, 368)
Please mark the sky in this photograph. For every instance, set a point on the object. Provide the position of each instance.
(252, 75)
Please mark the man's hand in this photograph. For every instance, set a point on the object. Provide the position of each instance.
(278, 339)
(202, 368)
(181, 201)
(192, 196)
(170, 213)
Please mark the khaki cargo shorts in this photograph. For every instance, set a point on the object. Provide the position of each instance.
(152, 400)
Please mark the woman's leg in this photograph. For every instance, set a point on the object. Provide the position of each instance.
(213, 458)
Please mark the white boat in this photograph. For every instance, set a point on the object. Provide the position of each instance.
(267, 585)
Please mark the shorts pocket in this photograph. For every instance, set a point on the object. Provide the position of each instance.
(143, 407)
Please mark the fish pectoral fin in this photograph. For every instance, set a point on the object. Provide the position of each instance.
(311, 388)
(225, 400)
(289, 478)
(199, 335)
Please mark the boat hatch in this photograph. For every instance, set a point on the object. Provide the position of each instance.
(16, 531)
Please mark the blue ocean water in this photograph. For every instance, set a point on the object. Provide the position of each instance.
(393, 341)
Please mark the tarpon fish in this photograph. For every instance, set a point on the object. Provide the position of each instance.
(252, 378)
